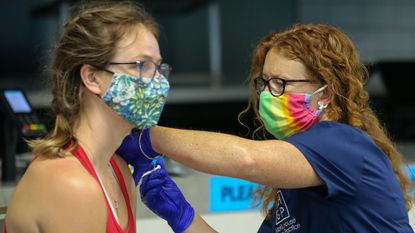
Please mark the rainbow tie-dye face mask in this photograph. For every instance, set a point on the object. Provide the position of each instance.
(139, 101)
(289, 113)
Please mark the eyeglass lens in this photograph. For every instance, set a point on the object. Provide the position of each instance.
(148, 69)
(275, 85)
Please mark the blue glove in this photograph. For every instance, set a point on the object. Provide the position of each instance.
(137, 151)
(162, 196)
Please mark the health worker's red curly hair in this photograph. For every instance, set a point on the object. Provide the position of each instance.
(330, 58)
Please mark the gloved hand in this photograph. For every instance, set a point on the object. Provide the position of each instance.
(162, 196)
(137, 157)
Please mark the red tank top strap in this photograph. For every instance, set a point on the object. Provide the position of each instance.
(131, 220)
(80, 154)
(112, 224)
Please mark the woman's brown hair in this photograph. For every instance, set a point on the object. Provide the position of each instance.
(331, 58)
(90, 37)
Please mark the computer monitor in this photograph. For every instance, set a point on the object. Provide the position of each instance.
(17, 101)
(17, 108)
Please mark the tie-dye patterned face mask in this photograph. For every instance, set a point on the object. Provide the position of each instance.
(289, 113)
(139, 101)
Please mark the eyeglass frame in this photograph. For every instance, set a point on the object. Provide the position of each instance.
(284, 83)
(140, 65)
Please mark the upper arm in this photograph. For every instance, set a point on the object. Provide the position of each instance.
(329, 153)
(279, 164)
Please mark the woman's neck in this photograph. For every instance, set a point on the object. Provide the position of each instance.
(99, 130)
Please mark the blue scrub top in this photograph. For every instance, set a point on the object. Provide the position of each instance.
(361, 192)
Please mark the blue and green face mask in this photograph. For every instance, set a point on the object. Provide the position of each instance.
(139, 101)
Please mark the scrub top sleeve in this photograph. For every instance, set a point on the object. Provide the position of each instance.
(334, 151)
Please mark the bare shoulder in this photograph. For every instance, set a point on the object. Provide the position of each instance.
(63, 189)
(60, 174)
(65, 178)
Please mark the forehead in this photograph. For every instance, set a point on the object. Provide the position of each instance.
(278, 65)
(138, 43)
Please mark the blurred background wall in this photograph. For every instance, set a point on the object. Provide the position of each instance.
(209, 44)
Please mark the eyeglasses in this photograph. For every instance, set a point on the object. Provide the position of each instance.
(275, 85)
(147, 69)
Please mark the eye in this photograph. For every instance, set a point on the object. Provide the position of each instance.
(131, 66)
(276, 83)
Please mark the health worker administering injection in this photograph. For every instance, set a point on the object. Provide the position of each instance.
(320, 153)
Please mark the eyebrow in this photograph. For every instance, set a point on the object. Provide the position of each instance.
(276, 76)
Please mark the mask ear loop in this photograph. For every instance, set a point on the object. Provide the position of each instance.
(321, 105)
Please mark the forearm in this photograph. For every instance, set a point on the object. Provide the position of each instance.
(210, 152)
(265, 162)
(199, 225)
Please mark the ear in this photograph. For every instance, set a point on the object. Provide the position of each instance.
(325, 99)
(89, 79)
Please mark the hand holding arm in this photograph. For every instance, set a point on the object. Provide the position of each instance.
(137, 151)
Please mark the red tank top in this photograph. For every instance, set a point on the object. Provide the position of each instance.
(112, 225)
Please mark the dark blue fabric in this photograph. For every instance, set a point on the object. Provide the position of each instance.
(361, 192)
